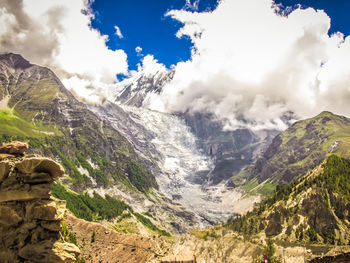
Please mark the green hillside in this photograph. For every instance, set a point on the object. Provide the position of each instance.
(296, 150)
(313, 209)
(40, 111)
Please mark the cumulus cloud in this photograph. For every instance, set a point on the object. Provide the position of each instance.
(150, 66)
(58, 34)
(118, 32)
(251, 65)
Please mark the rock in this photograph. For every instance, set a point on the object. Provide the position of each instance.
(7, 256)
(4, 170)
(67, 248)
(4, 156)
(35, 178)
(14, 147)
(38, 165)
(22, 195)
(43, 212)
(9, 217)
(49, 252)
(54, 226)
(41, 252)
(29, 218)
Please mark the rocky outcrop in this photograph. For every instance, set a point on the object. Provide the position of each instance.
(30, 220)
(14, 147)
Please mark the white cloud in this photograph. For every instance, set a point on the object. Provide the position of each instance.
(118, 32)
(150, 66)
(249, 65)
(58, 34)
(138, 51)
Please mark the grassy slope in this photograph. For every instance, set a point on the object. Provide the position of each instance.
(295, 151)
(41, 112)
(44, 114)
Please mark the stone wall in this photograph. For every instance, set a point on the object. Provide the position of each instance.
(29, 217)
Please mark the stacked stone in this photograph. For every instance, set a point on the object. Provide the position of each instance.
(30, 220)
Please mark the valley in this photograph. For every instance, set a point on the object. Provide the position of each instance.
(156, 186)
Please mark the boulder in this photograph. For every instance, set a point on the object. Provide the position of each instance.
(40, 165)
(14, 147)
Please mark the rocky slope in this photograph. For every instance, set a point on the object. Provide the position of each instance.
(30, 219)
(301, 147)
(230, 151)
(53, 117)
(101, 244)
(36, 108)
(314, 209)
(306, 220)
(195, 157)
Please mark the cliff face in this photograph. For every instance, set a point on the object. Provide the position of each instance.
(30, 220)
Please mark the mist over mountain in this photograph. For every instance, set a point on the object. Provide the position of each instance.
(237, 149)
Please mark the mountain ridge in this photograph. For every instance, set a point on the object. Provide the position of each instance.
(36, 108)
(298, 149)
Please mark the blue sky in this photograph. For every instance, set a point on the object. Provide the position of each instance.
(242, 61)
(144, 24)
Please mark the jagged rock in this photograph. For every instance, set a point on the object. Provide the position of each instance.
(4, 170)
(9, 217)
(38, 165)
(14, 147)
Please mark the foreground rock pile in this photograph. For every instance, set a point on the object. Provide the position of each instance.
(29, 217)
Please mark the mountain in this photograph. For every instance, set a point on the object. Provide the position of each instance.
(195, 155)
(230, 151)
(37, 99)
(36, 108)
(313, 209)
(134, 91)
(297, 150)
(305, 220)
